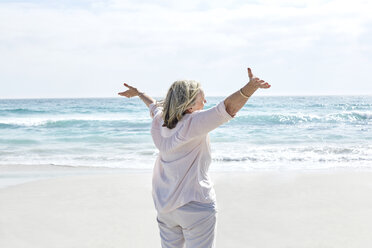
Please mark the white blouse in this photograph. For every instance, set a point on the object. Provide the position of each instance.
(180, 173)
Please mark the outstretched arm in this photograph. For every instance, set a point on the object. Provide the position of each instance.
(132, 92)
(238, 99)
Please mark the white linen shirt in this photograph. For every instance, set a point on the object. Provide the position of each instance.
(180, 174)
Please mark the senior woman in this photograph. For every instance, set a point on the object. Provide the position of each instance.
(182, 190)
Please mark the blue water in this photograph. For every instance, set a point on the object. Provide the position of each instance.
(269, 132)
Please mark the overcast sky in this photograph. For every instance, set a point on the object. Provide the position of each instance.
(88, 48)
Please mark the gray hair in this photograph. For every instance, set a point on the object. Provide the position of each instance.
(181, 96)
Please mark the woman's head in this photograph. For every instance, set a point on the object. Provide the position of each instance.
(184, 96)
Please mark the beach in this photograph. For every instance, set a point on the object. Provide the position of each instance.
(93, 207)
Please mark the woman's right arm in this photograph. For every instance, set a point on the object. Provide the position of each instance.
(237, 100)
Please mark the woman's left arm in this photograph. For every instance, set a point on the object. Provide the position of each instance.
(132, 92)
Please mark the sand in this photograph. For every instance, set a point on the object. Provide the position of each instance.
(113, 208)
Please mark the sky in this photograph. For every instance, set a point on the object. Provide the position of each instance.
(89, 48)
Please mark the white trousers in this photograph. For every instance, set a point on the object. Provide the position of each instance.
(193, 225)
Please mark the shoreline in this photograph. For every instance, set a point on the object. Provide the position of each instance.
(16, 174)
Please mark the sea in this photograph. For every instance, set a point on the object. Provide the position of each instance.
(269, 133)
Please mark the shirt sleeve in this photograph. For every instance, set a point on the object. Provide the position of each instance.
(204, 121)
(154, 109)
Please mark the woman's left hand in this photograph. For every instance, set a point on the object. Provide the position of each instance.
(131, 92)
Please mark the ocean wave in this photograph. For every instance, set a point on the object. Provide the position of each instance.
(270, 119)
(351, 116)
(18, 141)
(300, 118)
(292, 159)
(22, 111)
(142, 120)
(283, 154)
(68, 121)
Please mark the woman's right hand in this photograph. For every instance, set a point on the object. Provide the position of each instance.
(131, 92)
(255, 82)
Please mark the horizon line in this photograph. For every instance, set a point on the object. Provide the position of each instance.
(102, 97)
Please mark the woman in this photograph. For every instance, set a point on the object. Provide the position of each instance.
(182, 190)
